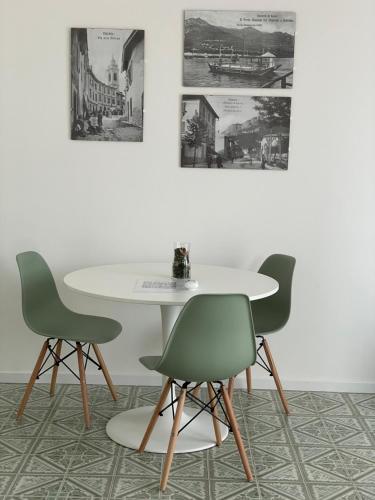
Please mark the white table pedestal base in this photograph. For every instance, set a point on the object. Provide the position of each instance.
(128, 428)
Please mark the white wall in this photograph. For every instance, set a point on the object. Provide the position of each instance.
(83, 204)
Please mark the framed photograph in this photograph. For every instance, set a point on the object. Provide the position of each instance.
(224, 48)
(107, 90)
(235, 132)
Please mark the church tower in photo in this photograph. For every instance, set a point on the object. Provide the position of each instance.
(112, 73)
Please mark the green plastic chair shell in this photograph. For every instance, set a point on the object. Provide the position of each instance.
(212, 339)
(45, 314)
(272, 313)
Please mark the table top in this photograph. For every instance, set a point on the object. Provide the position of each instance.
(119, 282)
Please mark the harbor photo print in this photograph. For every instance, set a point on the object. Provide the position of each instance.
(236, 49)
(235, 132)
(107, 67)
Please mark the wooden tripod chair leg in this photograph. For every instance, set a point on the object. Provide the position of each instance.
(196, 391)
(276, 376)
(82, 379)
(105, 371)
(248, 379)
(155, 415)
(215, 421)
(236, 433)
(172, 440)
(32, 379)
(231, 387)
(55, 368)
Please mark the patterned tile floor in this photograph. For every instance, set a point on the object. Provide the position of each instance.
(324, 450)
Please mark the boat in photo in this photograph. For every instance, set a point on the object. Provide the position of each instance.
(190, 55)
(259, 66)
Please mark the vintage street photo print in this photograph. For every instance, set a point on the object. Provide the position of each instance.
(235, 132)
(107, 67)
(236, 49)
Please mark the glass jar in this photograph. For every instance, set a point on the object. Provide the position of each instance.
(181, 262)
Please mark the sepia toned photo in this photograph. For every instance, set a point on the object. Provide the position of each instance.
(107, 89)
(235, 132)
(238, 49)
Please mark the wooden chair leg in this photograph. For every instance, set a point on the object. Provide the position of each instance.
(155, 415)
(82, 379)
(105, 371)
(215, 421)
(236, 433)
(276, 376)
(55, 368)
(196, 391)
(231, 387)
(172, 440)
(248, 379)
(32, 379)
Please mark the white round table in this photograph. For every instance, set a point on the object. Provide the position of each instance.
(121, 283)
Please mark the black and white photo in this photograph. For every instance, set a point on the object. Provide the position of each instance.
(107, 88)
(238, 49)
(235, 132)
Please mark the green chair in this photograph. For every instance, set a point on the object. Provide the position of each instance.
(45, 314)
(272, 313)
(212, 340)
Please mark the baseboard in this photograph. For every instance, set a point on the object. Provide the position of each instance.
(155, 380)
(312, 385)
(91, 378)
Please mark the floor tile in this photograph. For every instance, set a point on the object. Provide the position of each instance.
(334, 492)
(258, 402)
(234, 490)
(189, 489)
(364, 404)
(42, 486)
(274, 463)
(346, 431)
(136, 487)
(359, 463)
(283, 491)
(5, 482)
(325, 450)
(366, 491)
(145, 464)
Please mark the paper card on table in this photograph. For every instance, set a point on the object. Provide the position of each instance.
(156, 285)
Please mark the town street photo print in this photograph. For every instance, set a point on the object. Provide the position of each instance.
(107, 67)
(235, 132)
(236, 49)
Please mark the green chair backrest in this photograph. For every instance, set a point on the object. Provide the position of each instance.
(41, 304)
(212, 339)
(275, 309)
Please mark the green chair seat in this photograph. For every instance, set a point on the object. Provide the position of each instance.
(265, 322)
(69, 325)
(45, 313)
(150, 362)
